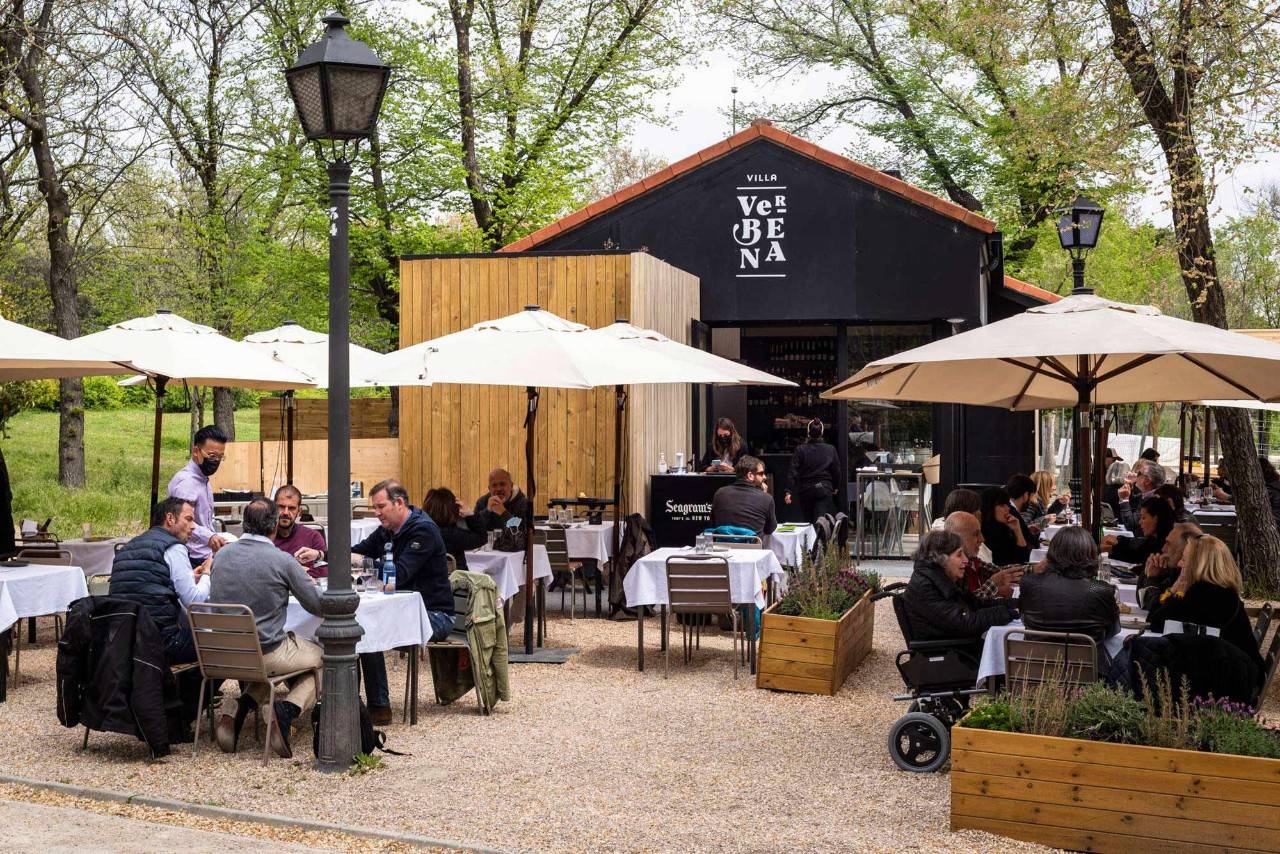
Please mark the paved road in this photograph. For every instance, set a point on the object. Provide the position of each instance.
(32, 827)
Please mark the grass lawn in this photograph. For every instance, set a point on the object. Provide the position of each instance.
(117, 450)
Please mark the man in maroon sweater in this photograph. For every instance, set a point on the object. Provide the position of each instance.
(305, 544)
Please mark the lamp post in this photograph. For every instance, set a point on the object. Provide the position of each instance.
(1078, 229)
(337, 85)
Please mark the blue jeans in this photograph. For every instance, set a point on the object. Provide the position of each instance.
(374, 667)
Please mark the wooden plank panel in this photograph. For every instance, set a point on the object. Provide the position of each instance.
(1078, 839)
(800, 639)
(793, 683)
(805, 625)
(1101, 797)
(1124, 755)
(786, 652)
(804, 669)
(1112, 821)
(1133, 779)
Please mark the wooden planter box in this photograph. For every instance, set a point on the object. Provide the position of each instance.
(1093, 796)
(813, 656)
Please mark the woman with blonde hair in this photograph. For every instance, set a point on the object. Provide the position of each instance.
(1207, 596)
(1046, 501)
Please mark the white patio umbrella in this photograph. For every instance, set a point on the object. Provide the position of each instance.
(539, 349)
(307, 351)
(168, 347)
(652, 341)
(30, 354)
(1082, 351)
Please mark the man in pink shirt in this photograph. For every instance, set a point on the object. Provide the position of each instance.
(305, 544)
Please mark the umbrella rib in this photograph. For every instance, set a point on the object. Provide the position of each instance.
(1202, 366)
(1037, 369)
(1066, 374)
(855, 383)
(1128, 366)
(1023, 391)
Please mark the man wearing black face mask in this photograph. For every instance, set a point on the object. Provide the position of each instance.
(191, 484)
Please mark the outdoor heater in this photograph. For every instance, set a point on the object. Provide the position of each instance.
(337, 85)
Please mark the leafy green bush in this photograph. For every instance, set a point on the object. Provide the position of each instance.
(1225, 727)
(1099, 713)
(995, 714)
(826, 588)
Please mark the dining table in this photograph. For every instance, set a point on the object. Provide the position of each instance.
(792, 541)
(587, 542)
(33, 590)
(94, 555)
(507, 568)
(749, 573)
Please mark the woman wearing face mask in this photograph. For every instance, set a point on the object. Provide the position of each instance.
(726, 449)
(191, 484)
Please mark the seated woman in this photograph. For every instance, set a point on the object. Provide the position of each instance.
(938, 606)
(1155, 521)
(445, 510)
(1207, 593)
(1003, 529)
(1177, 501)
(1066, 597)
(1046, 501)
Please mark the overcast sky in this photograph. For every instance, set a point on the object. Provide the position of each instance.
(697, 106)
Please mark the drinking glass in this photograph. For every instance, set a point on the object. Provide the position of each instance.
(86, 529)
(492, 538)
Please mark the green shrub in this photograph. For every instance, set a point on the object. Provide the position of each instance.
(826, 588)
(995, 714)
(1100, 713)
(102, 393)
(1225, 727)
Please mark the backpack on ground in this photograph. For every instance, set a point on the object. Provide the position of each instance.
(370, 739)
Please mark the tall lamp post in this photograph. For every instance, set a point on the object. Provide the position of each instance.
(337, 85)
(1078, 229)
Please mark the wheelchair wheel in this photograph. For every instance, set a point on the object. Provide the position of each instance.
(919, 742)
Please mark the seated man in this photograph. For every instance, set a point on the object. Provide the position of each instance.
(154, 570)
(1162, 569)
(253, 572)
(305, 544)
(745, 503)
(984, 581)
(1149, 477)
(421, 565)
(1021, 490)
(503, 502)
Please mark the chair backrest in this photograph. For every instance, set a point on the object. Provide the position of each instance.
(48, 557)
(1272, 662)
(904, 622)
(1261, 625)
(730, 541)
(698, 586)
(841, 529)
(315, 526)
(99, 584)
(227, 643)
(1223, 531)
(453, 563)
(1033, 657)
(878, 496)
(557, 549)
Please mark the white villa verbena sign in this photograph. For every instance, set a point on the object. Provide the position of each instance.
(761, 229)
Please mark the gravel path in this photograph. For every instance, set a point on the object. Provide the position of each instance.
(590, 756)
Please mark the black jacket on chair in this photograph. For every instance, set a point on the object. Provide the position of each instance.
(1052, 602)
(1210, 605)
(112, 675)
(939, 609)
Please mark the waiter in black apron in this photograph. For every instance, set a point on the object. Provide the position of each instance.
(815, 471)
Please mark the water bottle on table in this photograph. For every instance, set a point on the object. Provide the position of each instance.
(388, 571)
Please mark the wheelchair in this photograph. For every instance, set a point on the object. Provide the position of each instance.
(940, 676)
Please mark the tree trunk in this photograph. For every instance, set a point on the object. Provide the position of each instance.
(224, 411)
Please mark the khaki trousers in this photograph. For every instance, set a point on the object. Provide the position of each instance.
(292, 654)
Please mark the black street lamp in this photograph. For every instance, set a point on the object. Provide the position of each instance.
(1078, 230)
(337, 85)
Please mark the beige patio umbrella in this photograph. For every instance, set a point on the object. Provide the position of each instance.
(29, 354)
(539, 350)
(308, 352)
(1082, 351)
(168, 347)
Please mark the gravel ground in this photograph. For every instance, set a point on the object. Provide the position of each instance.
(589, 756)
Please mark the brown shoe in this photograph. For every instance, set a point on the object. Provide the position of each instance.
(224, 732)
(279, 740)
(380, 715)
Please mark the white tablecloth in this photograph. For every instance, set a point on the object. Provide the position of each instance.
(646, 582)
(389, 620)
(1051, 530)
(507, 568)
(588, 542)
(993, 660)
(35, 590)
(94, 556)
(360, 528)
(790, 545)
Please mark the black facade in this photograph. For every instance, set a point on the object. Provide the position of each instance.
(780, 239)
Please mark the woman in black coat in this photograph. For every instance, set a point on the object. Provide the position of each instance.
(1155, 521)
(446, 511)
(1066, 597)
(1207, 593)
(938, 606)
(1003, 529)
(815, 472)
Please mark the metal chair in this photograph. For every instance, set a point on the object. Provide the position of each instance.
(698, 586)
(45, 556)
(1262, 624)
(451, 644)
(732, 542)
(1033, 657)
(558, 555)
(99, 584)
(227, 647)
(452, 562)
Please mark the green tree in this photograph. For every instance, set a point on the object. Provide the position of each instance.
(1249, 263)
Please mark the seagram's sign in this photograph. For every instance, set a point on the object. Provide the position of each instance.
(759, 228)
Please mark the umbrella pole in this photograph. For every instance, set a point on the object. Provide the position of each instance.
(1183, 458)
(530, 432)
(1208, 440)
(288, 432)
(161, 382)
(619, 411)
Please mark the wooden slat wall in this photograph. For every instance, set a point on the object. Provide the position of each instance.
(452, 435)
(311, 418)
(371, 461)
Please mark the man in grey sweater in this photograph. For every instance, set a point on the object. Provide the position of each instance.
(253, 572)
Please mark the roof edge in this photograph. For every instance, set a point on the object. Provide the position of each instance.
(757, 130)
(1027, 289)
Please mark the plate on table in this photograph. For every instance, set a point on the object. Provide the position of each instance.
(13, 564)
